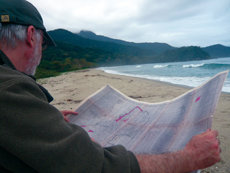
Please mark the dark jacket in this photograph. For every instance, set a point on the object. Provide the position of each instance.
(35, 138)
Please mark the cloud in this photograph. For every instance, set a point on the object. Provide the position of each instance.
(179, 23)
(186, 22)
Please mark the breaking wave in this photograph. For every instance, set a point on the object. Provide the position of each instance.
(160, 66)
(192, 65)
(208, 66)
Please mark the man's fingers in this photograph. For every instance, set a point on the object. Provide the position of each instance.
(210, 132)
(66, 119)
(215, 133)
(71, 112)
(66, 112)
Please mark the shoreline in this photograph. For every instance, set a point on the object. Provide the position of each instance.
(71, 88)
(163, 82)
(170, 83)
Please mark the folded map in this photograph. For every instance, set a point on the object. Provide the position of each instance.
(112, 118)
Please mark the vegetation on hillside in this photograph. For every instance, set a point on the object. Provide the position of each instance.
(79, 51)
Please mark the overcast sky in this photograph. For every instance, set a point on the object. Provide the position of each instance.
(176, 22)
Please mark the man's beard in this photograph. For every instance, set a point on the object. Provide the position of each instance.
(34, 61)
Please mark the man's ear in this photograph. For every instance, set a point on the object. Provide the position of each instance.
(30, 40)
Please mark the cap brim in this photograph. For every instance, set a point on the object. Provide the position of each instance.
(49, 41)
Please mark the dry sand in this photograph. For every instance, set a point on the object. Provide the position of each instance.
(69, 89)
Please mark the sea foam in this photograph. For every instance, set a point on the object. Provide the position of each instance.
(160, 66)
(192, 65)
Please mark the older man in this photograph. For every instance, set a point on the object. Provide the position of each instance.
(34, 137)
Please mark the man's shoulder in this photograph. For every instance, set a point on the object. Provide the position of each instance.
(10, 77)
(6, 74)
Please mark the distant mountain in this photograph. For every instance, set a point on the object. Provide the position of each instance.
(218, 50)
(64, 36)
(119, 52)
(86, 49)
(184, 54)
(157, 47)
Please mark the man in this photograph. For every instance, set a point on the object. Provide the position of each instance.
(34, 137)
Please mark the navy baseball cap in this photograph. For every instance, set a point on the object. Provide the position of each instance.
(23, 12)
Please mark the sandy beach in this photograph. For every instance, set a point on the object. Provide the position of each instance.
(69, 89)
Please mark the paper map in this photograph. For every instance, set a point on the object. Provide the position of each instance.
(112, 118)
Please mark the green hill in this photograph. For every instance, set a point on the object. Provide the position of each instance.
(68, 37)
(218, 50)
(156, 48)
(86, 49)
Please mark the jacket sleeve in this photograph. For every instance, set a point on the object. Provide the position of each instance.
(35, 132)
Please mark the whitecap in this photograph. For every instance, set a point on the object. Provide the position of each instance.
(192, 65)
(160, 66)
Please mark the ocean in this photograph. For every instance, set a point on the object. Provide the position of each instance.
(189, 73)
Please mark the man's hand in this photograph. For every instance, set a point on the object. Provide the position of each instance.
(203, 149)
(66, 112)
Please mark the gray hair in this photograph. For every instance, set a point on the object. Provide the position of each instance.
(10, 34)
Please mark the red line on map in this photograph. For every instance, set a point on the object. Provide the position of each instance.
(90, 131)
(125, 120)
(122, 116)
(198, 98)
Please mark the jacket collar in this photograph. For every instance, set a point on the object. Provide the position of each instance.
(4, 60)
